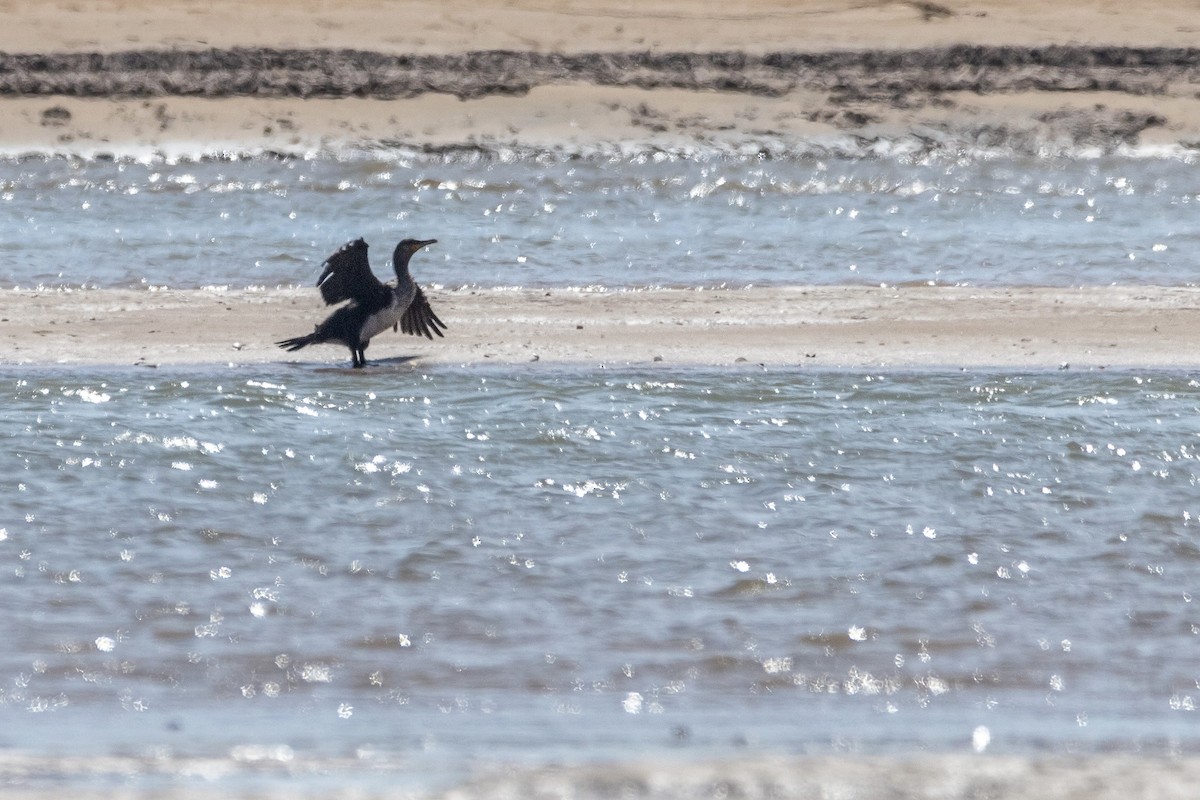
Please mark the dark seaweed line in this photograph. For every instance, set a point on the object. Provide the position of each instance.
(355, 73)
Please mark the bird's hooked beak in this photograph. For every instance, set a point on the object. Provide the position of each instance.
(417, 246)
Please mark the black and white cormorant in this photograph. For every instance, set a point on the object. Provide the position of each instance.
(374, 306)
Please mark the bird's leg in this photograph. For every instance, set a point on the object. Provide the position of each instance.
(356, 357)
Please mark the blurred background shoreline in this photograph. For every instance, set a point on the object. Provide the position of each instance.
(836, 78)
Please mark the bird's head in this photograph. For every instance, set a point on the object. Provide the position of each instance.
(405, 251)
(410, 246)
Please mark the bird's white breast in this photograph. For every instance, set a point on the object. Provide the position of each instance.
(381, 320)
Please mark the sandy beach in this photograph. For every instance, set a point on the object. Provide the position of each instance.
(951, 777)
(948, 777)
(425, 26)
(839, 326)
(131, 78)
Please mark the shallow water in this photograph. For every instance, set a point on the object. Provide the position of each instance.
(430, 569)
(622, 222)
(233, 577)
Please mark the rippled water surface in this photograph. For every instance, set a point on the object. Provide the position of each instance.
(634, 222)
(389, 575)
(454, 566)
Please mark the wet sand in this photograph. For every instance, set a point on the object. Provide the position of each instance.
(838, 326)
(789, 104)
(962, 777)
(945, 777)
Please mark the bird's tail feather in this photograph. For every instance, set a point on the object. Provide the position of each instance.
(292, 345)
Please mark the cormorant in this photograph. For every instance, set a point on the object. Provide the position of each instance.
(374, 306)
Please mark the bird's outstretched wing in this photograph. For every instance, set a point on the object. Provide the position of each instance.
(347, 276)
(419, 319)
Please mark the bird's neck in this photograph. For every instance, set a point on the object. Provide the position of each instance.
(404, 280)
(400, 264)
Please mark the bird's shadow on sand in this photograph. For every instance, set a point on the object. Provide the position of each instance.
(376, 366)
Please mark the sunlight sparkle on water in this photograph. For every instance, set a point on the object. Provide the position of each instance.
(532, 536)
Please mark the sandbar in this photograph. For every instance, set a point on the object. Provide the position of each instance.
(861, 327)
(676, 776)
